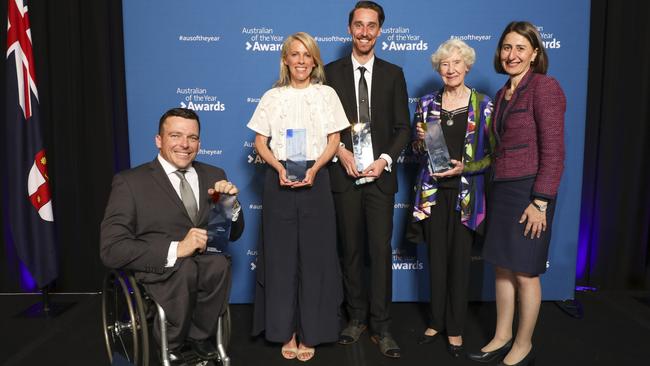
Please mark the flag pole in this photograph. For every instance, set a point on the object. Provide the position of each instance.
(45, 308)
(50, 309)
(45, 291)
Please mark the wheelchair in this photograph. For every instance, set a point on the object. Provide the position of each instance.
(127, 312)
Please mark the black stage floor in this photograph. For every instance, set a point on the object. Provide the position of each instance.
(615, 330)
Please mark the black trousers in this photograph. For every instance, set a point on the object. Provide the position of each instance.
(193, 298)
(365, 214)
(299, 287)
(450, 245)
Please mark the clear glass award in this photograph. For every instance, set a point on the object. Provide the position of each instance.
(219, 223)
(434, 140)
(362, 149)
(296, 140)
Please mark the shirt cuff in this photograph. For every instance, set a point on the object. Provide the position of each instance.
(388, 160)
(172, 254)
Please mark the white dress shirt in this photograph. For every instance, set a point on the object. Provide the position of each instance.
(193, 179)
(368, 76)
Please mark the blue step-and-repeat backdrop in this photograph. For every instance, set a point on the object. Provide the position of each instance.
(219, 57)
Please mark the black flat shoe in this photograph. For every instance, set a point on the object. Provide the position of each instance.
(488, 357)
(426, 339)
(204, 349)
(529, 360)
(455, 351)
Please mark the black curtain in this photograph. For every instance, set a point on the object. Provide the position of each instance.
(80, 68)
(615, 244)
(79, 56)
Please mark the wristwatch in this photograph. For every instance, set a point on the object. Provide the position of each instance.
(540, 207)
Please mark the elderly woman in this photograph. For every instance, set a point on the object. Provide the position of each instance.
(528, 164)
(449, 207)
(299, 288)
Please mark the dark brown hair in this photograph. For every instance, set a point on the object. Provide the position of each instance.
(528, 31)
(178, 112)
(368, 5)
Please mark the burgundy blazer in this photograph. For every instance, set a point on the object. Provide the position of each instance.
(530, 136)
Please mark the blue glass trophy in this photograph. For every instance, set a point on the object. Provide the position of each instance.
(434, 140)
(219, 223)
(296, 154)
(362, 149)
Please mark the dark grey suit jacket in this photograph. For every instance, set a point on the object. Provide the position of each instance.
(391, 129)
(144, 215)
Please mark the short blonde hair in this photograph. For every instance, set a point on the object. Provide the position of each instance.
(448, 47)
(317, 73)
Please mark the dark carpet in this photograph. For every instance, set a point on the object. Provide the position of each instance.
(615, 330)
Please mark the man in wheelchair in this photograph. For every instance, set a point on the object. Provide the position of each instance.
(155, 225)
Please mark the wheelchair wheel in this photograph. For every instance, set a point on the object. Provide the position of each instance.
(123, 317)
(141, 320)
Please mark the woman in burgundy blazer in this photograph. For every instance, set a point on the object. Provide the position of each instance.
(528, 164)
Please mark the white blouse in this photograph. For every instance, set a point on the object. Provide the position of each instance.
(316, 108)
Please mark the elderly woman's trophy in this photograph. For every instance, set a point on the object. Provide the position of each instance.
(219, 222)
(434, 141)
(362, 149)
(296, 154)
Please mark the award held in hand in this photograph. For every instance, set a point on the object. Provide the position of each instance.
(296, 154)
(219, 223)
(362, 149)
(434, 140)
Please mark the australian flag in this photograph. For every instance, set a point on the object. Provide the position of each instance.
(30, 214)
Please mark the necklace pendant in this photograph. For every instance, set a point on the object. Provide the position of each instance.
(450, 122)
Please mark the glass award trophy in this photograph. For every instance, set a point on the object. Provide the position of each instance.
(219, 223)
(434, 140)
(362, 149)
(296, 154)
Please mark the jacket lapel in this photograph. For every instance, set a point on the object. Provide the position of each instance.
(161, 179)
(432, 110)
(163, 182)
(471, 127)
(377, 86)
(350, 99)
(520, 89)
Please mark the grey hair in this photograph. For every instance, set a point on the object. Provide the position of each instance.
(445, 50)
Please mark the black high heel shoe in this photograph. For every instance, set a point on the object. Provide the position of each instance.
(529, 360)
(488, 357)
(455, 351)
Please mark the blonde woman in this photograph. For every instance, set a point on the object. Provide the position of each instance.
(298, 292)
